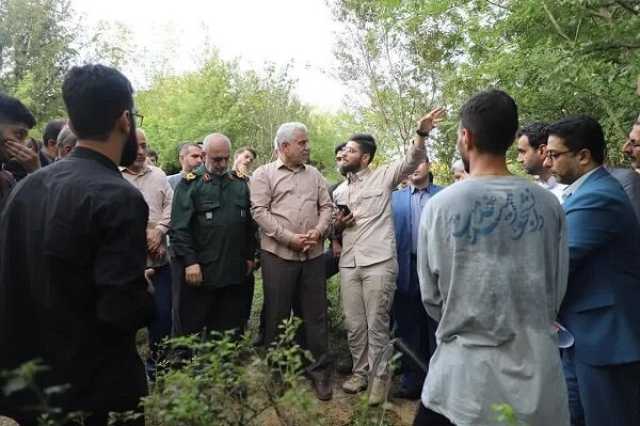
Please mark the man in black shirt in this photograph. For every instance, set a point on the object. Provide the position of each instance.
(15, 122)
(72, 260)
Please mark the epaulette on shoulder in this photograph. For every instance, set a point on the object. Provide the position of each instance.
(190, 177)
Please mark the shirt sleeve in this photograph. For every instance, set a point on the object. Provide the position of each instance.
(400, 169)
(429, 290)
(592, 223)
(252, 234)
(167, 199)
(260, 190)
(562, 273)
(325, 207)
(180, 233)
(122, 299)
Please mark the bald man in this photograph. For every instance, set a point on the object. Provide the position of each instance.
(214, 239)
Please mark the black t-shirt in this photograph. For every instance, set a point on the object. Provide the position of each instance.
(72, 288)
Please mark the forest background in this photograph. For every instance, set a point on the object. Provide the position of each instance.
(398, 58)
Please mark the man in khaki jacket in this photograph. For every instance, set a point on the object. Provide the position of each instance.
(368, 265)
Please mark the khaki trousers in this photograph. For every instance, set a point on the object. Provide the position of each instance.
(367, 296)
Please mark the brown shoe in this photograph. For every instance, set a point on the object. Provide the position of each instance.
(322, 385)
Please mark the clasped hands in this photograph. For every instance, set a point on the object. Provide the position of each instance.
(304, 242)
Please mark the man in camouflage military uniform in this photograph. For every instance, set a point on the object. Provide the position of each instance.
(213, 238)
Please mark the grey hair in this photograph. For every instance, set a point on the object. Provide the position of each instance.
(285, 133)
(207, 140)
(66, 137)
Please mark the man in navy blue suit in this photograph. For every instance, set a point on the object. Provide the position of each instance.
(600, 309)
(413, 325)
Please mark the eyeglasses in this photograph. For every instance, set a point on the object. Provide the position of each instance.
(553, 156)
(138, 117)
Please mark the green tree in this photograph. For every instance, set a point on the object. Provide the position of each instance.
(555, 58)
(247, 106)
(35, 52)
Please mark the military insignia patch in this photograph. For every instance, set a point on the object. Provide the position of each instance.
(189, 177)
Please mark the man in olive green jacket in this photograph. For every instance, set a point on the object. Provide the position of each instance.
(213, 238)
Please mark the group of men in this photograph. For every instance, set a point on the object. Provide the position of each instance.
(480, 279)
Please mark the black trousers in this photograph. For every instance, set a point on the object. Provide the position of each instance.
(288, 284)
(211, 309)
(416, 329)
(426, 417)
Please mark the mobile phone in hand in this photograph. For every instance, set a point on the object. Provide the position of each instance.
(344, 209)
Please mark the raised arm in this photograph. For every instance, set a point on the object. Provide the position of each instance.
(417, 152)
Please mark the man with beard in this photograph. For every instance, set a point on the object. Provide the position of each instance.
(629, 178)
(413, 325)
(72, 260)
(600, 309)
(368, 265)
(152, 182)
(15, 122)
(492, 263)
(631, 147)
(213, 237)
(532, 145)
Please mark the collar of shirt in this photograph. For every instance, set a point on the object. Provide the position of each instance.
(280, 164)
(549, 183)
(569, 190)
(426, 189)
(146, 169)
(86, 153)
(358, 176)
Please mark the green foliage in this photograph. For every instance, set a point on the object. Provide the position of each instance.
(506, 415)
(555, 58)
(35, 52)
(247, 106)
(224, 381)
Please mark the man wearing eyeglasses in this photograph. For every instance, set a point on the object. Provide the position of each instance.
(213, 238)
(602, 368)
(15, 122)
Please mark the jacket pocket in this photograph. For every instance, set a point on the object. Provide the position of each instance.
(596, 301)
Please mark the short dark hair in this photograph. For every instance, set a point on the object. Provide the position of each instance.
(52, 130)
(245, 148)
(184, 147)
(14, 111)
(95, 96)
(152, 153)
(366, 143)
(581, 132)
(339, 148)
(536, 133)
(492, 116)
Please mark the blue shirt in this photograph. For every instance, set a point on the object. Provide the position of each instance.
(419, 198)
